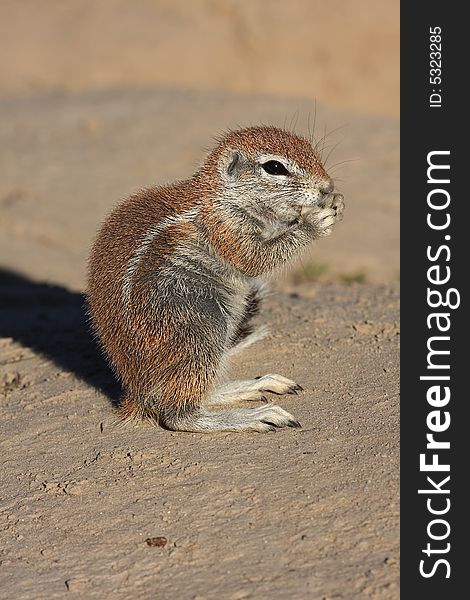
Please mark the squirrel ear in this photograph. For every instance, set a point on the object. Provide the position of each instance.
(229, 164)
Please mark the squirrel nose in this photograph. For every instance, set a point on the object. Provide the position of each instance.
(326, 187)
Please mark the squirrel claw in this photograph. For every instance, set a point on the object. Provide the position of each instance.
(295, 389)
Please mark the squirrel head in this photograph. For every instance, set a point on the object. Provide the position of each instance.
(267, 171)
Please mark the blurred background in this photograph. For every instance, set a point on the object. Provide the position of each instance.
(343, 52)
(100, 97)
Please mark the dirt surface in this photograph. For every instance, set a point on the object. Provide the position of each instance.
(310, 513)
(96, 103)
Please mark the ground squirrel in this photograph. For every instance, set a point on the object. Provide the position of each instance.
(175, 276)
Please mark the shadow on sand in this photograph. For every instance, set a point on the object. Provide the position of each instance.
(51, 320)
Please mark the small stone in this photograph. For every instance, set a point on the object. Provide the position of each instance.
(157, 542)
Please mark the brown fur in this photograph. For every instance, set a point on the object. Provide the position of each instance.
(116, 242)
(267, 139)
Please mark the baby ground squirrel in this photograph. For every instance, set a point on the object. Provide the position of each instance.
(175, 278)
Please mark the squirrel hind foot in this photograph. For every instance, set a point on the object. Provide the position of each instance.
(252, 390)
(262, 419)
(194, 418)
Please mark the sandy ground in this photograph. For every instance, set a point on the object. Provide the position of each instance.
(310, 513)
(298, 514)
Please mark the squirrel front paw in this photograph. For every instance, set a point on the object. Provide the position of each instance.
(327, 214)
(336, 202)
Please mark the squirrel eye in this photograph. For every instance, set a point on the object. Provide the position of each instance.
(274, 167)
